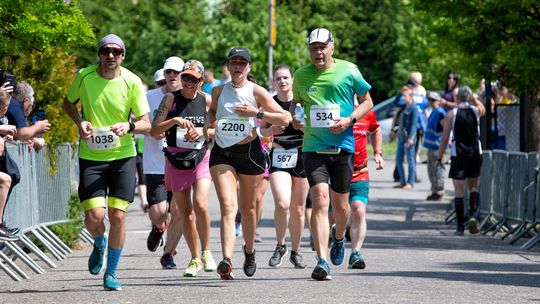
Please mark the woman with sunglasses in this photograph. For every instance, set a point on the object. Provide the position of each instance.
(237, 154)
(181, 116)
(448, 98)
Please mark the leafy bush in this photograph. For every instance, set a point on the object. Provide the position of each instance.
(69, 232)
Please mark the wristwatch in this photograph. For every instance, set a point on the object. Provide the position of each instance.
(131, 127)
(260, 114)
(353, 119)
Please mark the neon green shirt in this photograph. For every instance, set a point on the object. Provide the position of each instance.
(106, 102)
(335, 86)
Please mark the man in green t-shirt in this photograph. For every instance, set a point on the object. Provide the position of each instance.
(326, 88)
(108, 93)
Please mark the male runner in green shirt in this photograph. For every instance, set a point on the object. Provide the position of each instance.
(108, 94)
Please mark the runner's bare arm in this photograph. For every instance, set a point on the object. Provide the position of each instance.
(210, 122)
(161, 123)
(85, 127)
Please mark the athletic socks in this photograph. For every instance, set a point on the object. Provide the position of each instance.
(100, 241)
(113, 257)
(460, 213)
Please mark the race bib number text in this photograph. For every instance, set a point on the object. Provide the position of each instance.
(103, 139)
(284, 159)
(183, 142)
(323, 116)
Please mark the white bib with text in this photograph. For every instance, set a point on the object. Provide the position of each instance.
(323, 116)
(103, 139)
(183, 142)
(284, 159)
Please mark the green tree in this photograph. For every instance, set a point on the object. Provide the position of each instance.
(493, 39)
(152, 31)
(36, 38)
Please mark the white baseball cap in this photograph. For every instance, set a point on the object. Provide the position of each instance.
(173, 63)
(321, 35)
(159, 76)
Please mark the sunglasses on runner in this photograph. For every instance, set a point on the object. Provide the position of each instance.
(190, 78)
(114, 51)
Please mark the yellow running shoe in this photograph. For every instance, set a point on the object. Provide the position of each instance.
(208, 261)
(193, 268)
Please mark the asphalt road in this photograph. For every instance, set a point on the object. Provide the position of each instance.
(411, 257)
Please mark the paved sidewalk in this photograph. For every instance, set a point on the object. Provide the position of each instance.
(411, 257)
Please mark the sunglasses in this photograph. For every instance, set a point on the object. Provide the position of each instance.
(162, 82)
(114, 51)
(190, 78)
(453, 78)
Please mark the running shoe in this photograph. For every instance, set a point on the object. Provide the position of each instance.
(249, 263)
(460, 232)
(193, 268)
(13, 231)
(297, 260)
(95, 261)
(167, 261)
(473, 226)
(155, 238)
(208, 261)
(5, 235)
(321, 272)
(356, 260)
(276, 259)
(337, 251)
(224, 269)
(110, 282)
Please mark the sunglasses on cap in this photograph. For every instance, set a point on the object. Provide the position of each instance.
(115, 51)
(190, 78)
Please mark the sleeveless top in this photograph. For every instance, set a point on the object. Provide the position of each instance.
(193, 110)
(232, 128)
(291, 137)
(466, 131)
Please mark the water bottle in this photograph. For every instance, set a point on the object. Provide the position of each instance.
(299, 113)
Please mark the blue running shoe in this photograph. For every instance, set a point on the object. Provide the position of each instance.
(110, 282)
(356, 260)
(321, 272)
(95, 261)
(238, 229)
(337, 251)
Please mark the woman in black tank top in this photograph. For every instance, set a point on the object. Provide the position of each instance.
(181, 115)
(287, 177)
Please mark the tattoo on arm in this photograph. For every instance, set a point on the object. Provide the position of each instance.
(162, 107)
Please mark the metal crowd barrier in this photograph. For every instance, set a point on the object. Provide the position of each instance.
(38, 201)
(510, 195)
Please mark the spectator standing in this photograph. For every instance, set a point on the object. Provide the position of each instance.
(431, 143)
(108, 93)
(406, 139)
(448, 98)
(6, 133)
(20, 107)
(463, 123)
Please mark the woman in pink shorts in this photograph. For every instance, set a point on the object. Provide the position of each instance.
(181, 116)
